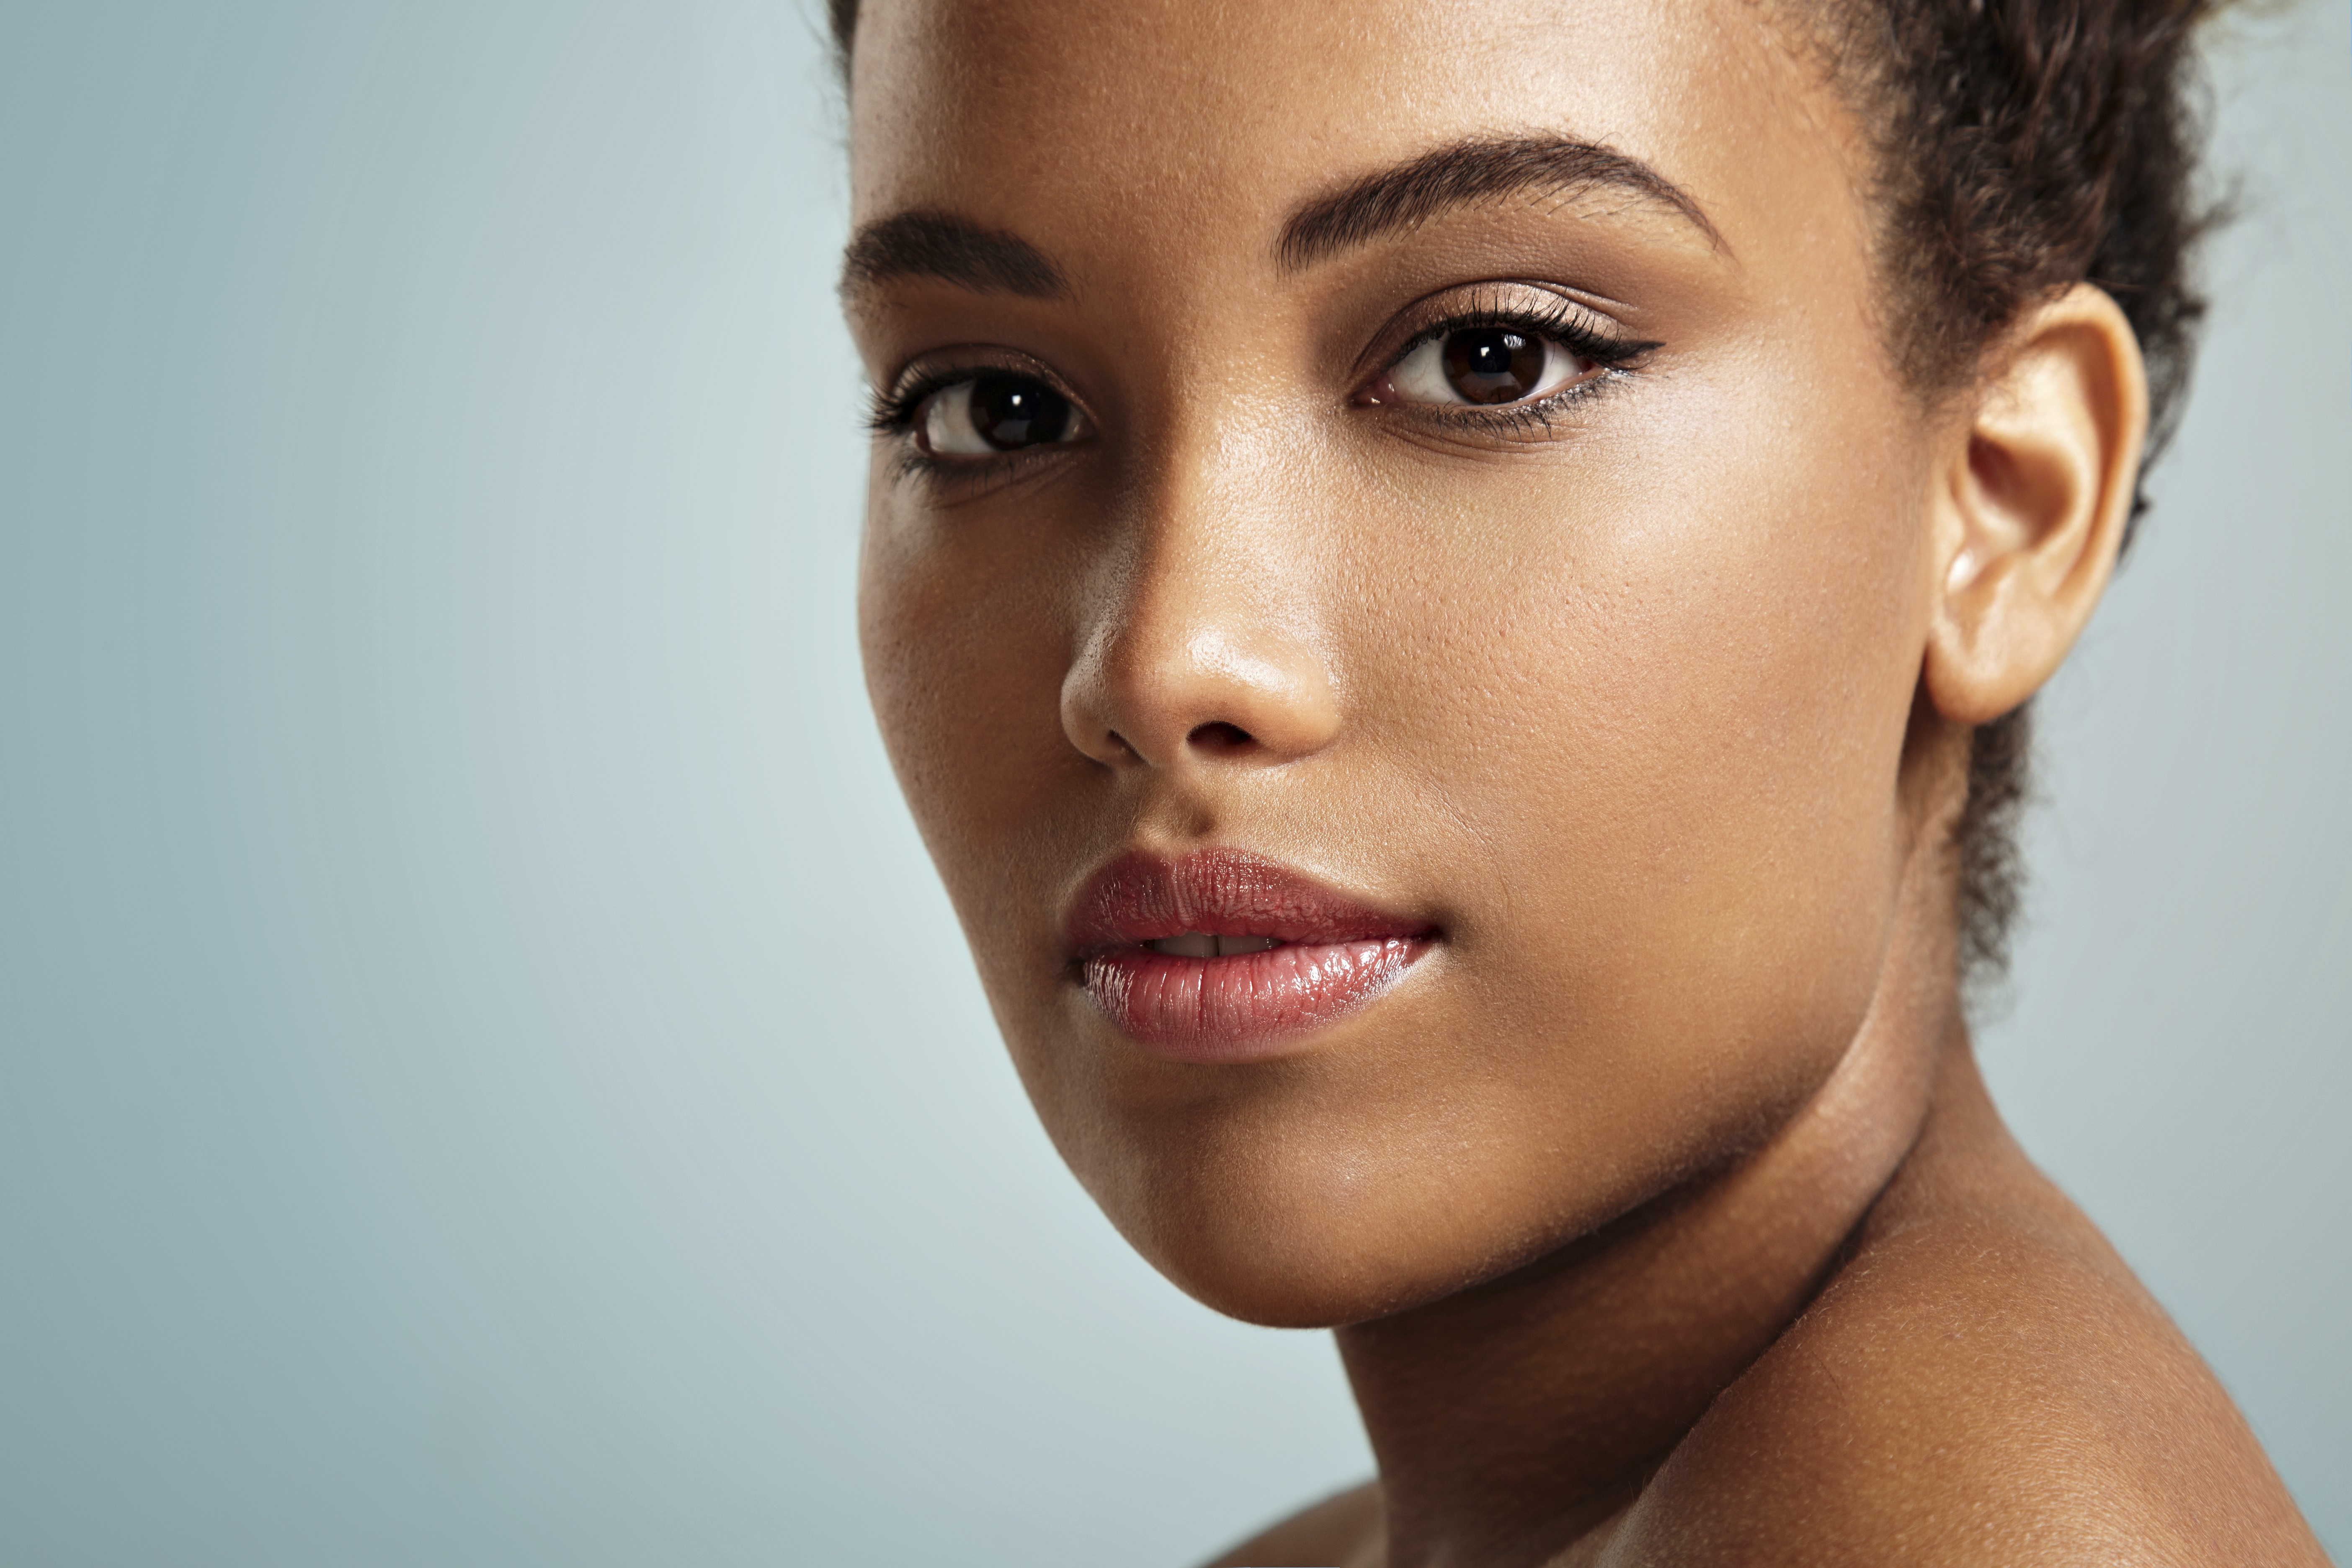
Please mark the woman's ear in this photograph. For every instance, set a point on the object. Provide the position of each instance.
(2031, 503)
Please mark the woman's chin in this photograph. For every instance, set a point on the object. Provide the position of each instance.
(1299, 1254)
(1312, 1287)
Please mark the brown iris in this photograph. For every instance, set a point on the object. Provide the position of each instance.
(1493, 364)
(1011, 412)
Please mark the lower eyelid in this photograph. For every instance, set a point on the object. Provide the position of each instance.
(1535, 415)
(1581, 384)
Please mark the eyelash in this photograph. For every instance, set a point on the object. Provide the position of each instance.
(1570, 325)
(893, 413)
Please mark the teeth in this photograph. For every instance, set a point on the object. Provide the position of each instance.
(1200, 945)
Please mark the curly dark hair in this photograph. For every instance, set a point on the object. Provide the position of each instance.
(2022, 146)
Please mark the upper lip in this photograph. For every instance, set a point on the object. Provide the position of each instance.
(1139, 897)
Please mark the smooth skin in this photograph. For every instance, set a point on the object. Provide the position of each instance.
(1660, 1210)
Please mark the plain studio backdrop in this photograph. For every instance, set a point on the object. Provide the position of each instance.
(487, 1076)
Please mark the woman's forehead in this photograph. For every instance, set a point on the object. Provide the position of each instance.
(1200, 120)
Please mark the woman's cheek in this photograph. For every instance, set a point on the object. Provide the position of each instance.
(1671, 700)
(965, 648)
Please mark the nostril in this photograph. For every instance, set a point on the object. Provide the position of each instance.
(1220, 736)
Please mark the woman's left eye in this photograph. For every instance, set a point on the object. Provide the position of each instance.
(994, 413)
(1490, 365)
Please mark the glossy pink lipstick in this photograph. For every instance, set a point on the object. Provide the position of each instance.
(1223, 955)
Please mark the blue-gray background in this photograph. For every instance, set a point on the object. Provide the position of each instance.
(485, 1075)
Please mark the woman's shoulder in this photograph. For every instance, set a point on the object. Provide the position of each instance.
(1343, 1530)
(1982, 1381)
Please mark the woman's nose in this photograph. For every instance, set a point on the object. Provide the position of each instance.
(1196, 654)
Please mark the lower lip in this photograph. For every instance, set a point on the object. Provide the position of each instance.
(1247, 1005)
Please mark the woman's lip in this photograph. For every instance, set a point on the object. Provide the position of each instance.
(1140, 898)
(1333, 952)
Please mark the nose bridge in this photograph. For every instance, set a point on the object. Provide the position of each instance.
(1204, 640)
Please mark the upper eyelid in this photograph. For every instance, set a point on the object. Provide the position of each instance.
(913, 384)
(1437, 321)
(926, 369)
(1440, 321)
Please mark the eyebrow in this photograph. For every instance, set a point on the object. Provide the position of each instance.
(930, 244)
(1399, 199)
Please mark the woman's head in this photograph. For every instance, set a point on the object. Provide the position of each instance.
(1483, 482)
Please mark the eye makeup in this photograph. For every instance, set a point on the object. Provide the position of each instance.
(1504, 358)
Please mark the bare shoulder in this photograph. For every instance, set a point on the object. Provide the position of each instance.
(1984, 1381)
(1341, 1531)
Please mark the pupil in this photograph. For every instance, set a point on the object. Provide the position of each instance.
(1011, 413)
(1493, 365)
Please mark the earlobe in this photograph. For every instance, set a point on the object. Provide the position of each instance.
(2031, 502)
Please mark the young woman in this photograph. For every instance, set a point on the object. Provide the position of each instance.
(1451, 586)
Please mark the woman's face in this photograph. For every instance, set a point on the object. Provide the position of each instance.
(1420, 485)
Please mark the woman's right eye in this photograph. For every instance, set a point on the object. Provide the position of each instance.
(992, 414)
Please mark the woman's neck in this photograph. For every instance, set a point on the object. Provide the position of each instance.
(1512, 1420)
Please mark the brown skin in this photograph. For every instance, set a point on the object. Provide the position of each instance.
(1660, 1209)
